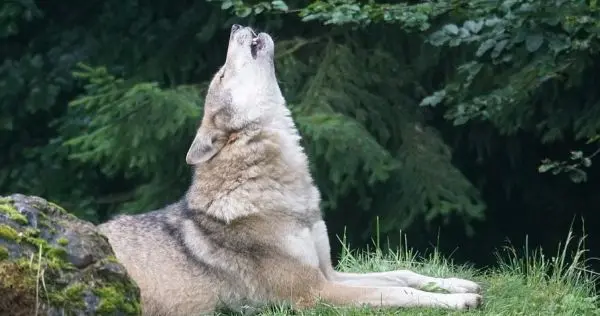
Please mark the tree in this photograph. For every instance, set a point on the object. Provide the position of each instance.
(540, 59)
(408, 110)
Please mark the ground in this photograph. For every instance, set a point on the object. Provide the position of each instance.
(518, 285)
(51, 260)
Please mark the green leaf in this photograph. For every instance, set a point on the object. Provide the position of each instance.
(576, 155)
(534, 42)
(507, 5)
(578, 176)
(493, 21)
(244, 12)
(460, 120)
(499, 48)
(473, 26)
(438, 38)
(593, 139)
(545, 167)
(434, 99)
(558, 44)
(226, 4)
(485, 46)
(279, 5)
(451, 28)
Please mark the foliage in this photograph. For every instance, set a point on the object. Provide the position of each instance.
(11, 14)
(574, 168)
(541, 57)
(341, 12)
(100, 100)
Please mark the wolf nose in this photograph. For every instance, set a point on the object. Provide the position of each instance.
(235, 27)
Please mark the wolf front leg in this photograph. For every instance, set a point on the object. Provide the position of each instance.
(381, 279)
(406, 278)
(345, 295)
(304, 285)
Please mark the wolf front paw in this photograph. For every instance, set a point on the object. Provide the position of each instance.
(465, 301)
(456, 285)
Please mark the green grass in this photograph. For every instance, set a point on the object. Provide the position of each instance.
(522, 283)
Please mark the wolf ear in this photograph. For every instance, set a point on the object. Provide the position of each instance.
(203, 147)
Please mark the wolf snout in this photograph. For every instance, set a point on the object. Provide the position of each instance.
(235, 27)
(243, 37)
(258, 42)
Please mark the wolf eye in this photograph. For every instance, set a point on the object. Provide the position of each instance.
(222, 75)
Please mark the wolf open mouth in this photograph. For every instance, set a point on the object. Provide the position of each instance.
(256, 45)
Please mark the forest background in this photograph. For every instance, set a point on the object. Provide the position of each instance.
(465, 124)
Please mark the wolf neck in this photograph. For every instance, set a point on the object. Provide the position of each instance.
(273, 156)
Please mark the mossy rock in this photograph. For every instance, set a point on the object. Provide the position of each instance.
(59, 264)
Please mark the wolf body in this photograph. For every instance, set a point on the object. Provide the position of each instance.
(249, 231)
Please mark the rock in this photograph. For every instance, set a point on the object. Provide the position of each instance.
(58, 264)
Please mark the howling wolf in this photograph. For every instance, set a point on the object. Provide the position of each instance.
(249, 231)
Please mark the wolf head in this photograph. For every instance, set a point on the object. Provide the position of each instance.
(243, 94)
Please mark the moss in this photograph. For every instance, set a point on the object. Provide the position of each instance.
(9, 233)
(13, 214)
(112, 259)
(18, 281)
(17, 289)
(62, 241)
(44, 222)
(74, 291)
(57, 253)
(71, 296)
(32, 232)
(112, 300)
(46, 225)
(37, 242)
(42, 216)
(19, 276)
(3, 253)
(58, 207)
(65, 287)
(55, 256)
(31, 236)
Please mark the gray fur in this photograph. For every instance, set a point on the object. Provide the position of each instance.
(249, 231)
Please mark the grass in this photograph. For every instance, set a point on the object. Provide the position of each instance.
(522, 283)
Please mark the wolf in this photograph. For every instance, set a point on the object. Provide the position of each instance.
(249, 231)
